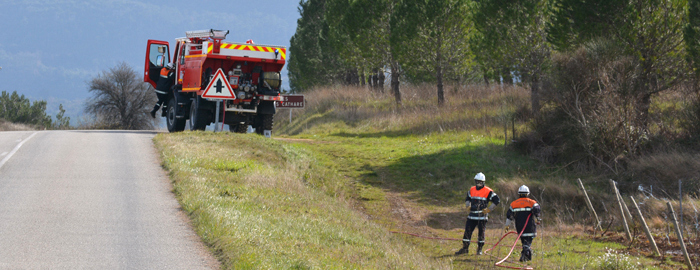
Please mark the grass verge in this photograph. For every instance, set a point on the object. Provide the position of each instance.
(259, 203)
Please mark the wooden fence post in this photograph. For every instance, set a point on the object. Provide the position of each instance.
(590, 205)
(680, 236)
(646, 228)
(622, 211)
(627, 210)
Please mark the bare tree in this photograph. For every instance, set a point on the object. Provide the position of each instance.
(121, 100)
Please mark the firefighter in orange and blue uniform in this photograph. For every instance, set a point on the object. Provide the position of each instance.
(165, 81)
(477, 202)
(524, 210)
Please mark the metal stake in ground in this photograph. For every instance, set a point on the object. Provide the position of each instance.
(680, 203)
(216, 117)
(622, 211)
(590, 205)
(680, 236)
(652, 242)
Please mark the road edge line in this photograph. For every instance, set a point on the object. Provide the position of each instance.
(2, 162)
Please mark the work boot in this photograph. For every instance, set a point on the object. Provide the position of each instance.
(463, 250)
(164, 111)
(155, 109)
(525, 256)
(478, 250)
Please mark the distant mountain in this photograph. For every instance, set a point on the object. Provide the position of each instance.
(49, 49)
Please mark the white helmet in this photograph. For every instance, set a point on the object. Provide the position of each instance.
(524, 190)
(170, 65)
(480, 177)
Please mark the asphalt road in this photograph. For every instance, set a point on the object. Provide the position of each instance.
(91, 200)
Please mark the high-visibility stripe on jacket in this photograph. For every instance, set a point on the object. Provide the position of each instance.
(480, 198)
(519, 211)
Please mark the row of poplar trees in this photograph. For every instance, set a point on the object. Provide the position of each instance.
(595, 61)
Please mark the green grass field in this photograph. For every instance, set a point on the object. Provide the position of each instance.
(328, 191)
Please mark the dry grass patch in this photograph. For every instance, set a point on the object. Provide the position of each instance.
(9, 126)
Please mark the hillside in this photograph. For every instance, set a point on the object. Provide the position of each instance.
(353, 179)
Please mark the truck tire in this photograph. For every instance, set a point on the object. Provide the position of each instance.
(174, 124)
(238, 128)
(266, 121)
(199, 118)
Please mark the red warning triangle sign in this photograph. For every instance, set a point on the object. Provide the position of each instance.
(219, 88)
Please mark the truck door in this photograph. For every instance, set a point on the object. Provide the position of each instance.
(157, 56)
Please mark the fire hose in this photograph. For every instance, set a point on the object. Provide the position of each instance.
(499, 263)
(512, 247)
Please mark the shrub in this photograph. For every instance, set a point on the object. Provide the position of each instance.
(588, 114)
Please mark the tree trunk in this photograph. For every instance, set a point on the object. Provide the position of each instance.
(440, 91)
(362, 78)
(380, 80)
(535, 95)
(643, 104)
(395, 82)
(374, 79)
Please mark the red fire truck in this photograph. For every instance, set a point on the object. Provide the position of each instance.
(245, 76)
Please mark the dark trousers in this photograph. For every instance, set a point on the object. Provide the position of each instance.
(161, 99)
(527, 243)
(469, 229)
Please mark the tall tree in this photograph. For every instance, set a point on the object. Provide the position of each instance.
(121, 99)
(435, 38)
(360, 31)
(512, 38)
(651, 31)
(312, 59)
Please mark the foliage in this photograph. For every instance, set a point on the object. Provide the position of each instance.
(649, 30)
(511, 39)
(691, 35)
(312, 59)
(62, 121)
(121, 100)
(589, 115)
(435, 34)
(576, 22)
(18, 109)
(361, 32)
(547, 45)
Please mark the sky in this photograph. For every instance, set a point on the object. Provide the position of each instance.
(50, 49)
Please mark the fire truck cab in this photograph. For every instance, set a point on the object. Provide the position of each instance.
(251, 71)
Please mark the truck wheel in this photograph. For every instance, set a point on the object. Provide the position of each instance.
(238, 128)
(174, 124)
(267, 121)
(199, 119)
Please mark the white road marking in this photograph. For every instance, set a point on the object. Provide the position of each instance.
(2, 162)
(3, 153)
